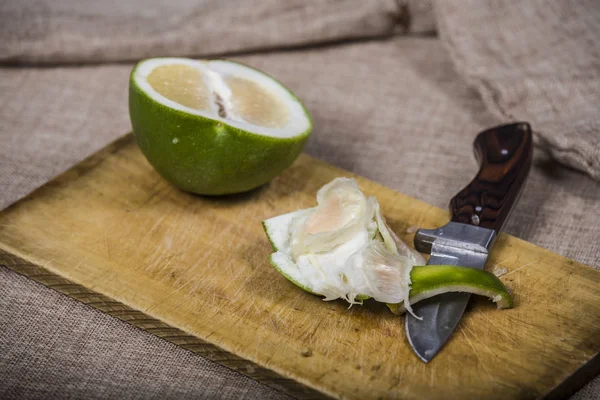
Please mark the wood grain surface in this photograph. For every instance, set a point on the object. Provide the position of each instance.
(194, 270)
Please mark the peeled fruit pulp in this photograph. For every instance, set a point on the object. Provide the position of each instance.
(343, 248)
(214, 127)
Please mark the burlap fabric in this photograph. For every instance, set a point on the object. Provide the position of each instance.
(396, 110)
(68, 31)
(534, 60)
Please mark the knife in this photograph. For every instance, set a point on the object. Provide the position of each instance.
(477, 215)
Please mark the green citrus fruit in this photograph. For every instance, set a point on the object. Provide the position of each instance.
(214, 127)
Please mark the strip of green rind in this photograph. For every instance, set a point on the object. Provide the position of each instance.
(450, 278)
(426, 278)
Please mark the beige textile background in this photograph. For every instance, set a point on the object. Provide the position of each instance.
(394, 109)
(74, 31)
(537, 60)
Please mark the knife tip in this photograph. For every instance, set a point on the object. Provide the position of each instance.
(428, 356)
(425, 356)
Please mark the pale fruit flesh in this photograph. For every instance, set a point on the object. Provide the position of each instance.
(256, 104)
(243, 99)
(182, 84)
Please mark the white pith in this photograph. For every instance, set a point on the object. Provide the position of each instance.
(214, 73)
(349, 267)
(493, 296)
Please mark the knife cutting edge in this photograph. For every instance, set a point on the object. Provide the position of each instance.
(478, 212)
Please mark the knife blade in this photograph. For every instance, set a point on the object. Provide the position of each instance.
(478, 213)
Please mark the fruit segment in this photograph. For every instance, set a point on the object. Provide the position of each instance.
(182, 84)
(255, 104)
(341, 248)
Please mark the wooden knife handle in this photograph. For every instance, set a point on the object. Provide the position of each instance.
(504, 154)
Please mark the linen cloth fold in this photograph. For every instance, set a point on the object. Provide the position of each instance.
(88, 31)
(537, 61)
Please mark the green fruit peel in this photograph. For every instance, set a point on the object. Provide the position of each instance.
(201, 152)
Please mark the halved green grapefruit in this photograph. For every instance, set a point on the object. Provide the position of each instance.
(214, 127)
(343, 248)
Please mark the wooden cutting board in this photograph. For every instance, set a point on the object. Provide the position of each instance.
(194, 270)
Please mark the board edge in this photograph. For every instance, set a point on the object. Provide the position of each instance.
(158, 328)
